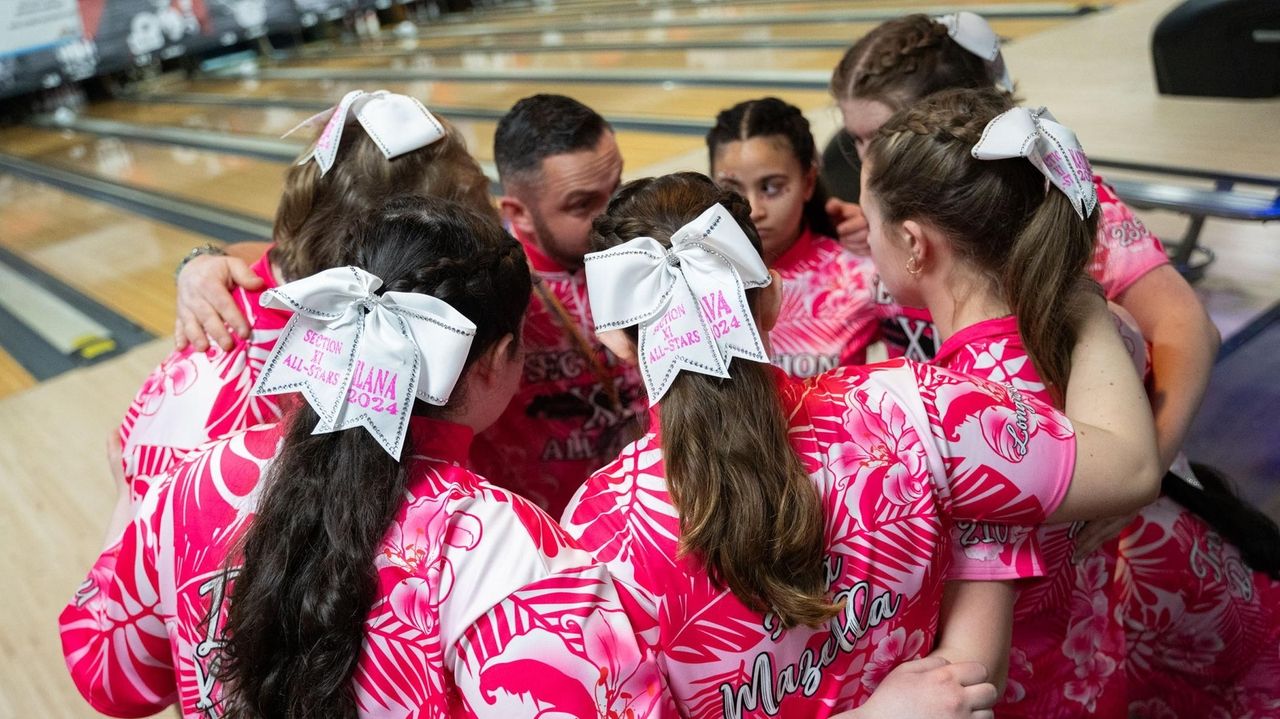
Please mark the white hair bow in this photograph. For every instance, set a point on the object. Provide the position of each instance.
(1049, 145)
(396, 123)
(973, 33)
(360, 359)
(690, 301)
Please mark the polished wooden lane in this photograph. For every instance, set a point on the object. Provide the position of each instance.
(631, 50)
(118, 259)
(13, 377)
(418, 55)
(762, 33)
(574, 11)
(243, 184)
(640, 149)
(727, 14)
(237, 120)
(658, 102)
(54, 503)
(622, 57)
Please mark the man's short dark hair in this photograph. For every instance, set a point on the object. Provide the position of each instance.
(540, 126)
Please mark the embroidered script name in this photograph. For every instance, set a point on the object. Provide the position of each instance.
(864, 610)
(1207, 556)
(206, 657)
(1019, 430)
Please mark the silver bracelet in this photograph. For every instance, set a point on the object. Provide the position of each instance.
(207, 248)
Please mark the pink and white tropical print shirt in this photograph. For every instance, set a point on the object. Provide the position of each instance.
(897, 451)
(485, 607)
(1125, 252)
(572, 412)
(1203, 628)
(1168, 621)
(1068, 650)
(194, 397)
(827, 318)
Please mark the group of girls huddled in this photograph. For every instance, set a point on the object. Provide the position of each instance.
(761, 524)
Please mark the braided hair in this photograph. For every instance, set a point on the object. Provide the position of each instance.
(307, 581)
(996, 214)
(904, 60)
(748, 510)
(771, 117)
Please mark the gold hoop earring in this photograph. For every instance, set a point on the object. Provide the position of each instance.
(913, 267)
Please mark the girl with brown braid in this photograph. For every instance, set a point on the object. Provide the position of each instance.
(899, 63)
(778, 543)
(1000, 264)
(305, 570)
(905, 60)
(763, 150)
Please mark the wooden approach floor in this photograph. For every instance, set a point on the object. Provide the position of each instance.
(55, 493)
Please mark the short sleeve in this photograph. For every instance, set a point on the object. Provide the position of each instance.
(114, 637)
(1006, 457)
(988, 551)
(1126, 249)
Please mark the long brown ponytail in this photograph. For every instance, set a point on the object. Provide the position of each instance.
(748, 510)
(997, 214)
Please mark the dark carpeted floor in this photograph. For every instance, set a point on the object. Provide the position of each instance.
(1238, 428)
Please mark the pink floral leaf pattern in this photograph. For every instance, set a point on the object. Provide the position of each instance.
(708, 624)
(556, 637)
(627, 507)
(882, 460)
(106, 614)
(827, 318)
(192, 398)
(560, 646)
(1068, 648)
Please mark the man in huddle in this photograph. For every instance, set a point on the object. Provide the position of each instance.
(559, 163)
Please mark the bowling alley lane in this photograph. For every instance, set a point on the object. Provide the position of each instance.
(120, 260)
(728, 15)
(639, 149)
(244, 184)
(624, 58)
(13, 376)
(658, 101)
(842, 32)
(628, 11)
(418, 55)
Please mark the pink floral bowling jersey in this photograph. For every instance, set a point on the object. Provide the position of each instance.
(1068, 649)
(1125, 252)
(1203, 628)
(484, 608)
(897, 451)
(194, 397)
(827, 318)
(576, 406)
